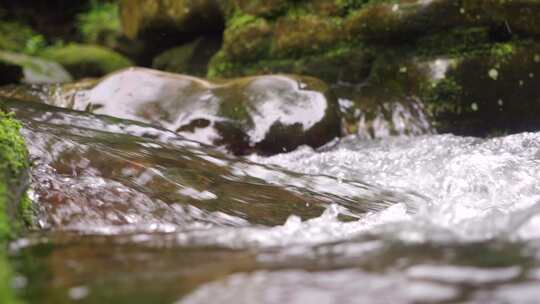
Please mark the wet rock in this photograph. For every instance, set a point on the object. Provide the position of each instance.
(60, 95)
(373, 111)
(265, 114)
(488, 89)
(87, 60)
(191, 58)
(98, 173)
(36, 70)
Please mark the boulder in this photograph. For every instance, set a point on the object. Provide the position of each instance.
(87, 60)
(264, 114)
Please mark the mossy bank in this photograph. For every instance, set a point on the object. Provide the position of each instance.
(13, 171)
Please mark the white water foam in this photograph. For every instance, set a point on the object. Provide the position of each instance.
(476, 189)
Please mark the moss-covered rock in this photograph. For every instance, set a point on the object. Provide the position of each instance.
(306, 34)
(300, 37)
(36, 70)
(387, 104)
(87, 60)
(515, 16)
(405, 20)
(247, 39)
(297, 30)
(342, 63)
(479, 90)
(487, 92)
(288, 36)
(191, 58)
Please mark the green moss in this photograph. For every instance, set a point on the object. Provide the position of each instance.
(87, 60)
(296, 36)
(26, 212)
(249, 41)
(13, 164)
(346, 62)
(235, 110)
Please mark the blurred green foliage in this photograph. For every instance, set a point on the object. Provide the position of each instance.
(100, 20)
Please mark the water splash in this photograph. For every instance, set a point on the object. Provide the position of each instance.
(476, 189)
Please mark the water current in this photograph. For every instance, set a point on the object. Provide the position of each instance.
(130, 213)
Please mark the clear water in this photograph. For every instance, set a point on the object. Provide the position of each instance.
(129, 213)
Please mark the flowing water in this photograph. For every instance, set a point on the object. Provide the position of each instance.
(129, 213)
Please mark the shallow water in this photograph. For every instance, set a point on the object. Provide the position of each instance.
(130, 213)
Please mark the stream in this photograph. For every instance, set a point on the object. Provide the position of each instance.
(131, 213)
